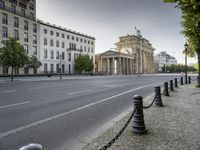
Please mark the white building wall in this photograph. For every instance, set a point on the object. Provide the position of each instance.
(85, 46)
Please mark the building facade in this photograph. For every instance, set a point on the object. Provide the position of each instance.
(140, 49)
(114, 63)
(164, 59)
(18, 20)
(59, 47)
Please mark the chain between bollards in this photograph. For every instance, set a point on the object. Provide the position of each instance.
(119, 133)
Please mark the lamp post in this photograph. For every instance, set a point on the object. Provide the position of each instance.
(186, 49)
(60, 68)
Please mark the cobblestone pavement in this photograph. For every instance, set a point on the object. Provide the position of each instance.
(176, 126)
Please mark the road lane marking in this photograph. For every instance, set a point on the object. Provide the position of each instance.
(17, 104)
(14, 131)
(8, 91)
(77, 92)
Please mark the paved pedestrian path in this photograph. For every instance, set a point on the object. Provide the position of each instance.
(176, 126)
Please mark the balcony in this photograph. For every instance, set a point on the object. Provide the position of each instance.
(9, 9)
(74, 49)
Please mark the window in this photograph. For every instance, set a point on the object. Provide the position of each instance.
(16, 34)
(63, 44)
(92, 43)
(31, 6)
(34, 28)
(25, 25)
(2, 4)
(13, 8)
(63, 36)
(45, 31)
(34, 39)
(63, 56)
(26, 48)
(45, 67)
(34, 50)
(25, 37)
(69, 57)
(92, 50)
(88, 42)
(84, 49)
(81, 40)
(72, 38)
(4, 18)
(84, 41)
(52, 68)
(88, 50)
(81, 48)
(16, 22)
(45, 53)
(23, 12)
(51, 32)
(45, 41)
(63, 68)
(57, 68)
(4, 32)
(52, 54)
(51, 42)
(57, 34)
(57, 43)
(68, 37)
(57, 55)
(77, 39)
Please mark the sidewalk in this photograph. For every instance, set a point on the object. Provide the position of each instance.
(176, 126)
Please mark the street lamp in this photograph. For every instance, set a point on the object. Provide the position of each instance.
(186, 50)
(60, 68)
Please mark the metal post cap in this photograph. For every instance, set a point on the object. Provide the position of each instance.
(32, 147)
(137, 97)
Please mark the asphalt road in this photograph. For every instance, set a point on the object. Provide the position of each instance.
(65, 114)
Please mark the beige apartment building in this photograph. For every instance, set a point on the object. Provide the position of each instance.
(18, 19)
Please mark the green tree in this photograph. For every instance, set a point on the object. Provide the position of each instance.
(34, 63)
(13, 55)
(191, 24)
(83, 63)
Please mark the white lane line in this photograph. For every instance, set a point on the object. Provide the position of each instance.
(14, 131)
(17, 104)
(78, 92)
(8, 91)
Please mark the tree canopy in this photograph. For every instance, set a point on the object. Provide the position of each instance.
(34, 63)
(13, 54)
(83, 63)
(191, 25)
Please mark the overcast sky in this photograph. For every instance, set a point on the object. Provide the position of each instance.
(106, 20)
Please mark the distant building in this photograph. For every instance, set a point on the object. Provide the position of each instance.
(18, 20)
(59, 47)
(164, 59)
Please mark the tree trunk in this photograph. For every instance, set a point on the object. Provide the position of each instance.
(11, 73)
(198, 55)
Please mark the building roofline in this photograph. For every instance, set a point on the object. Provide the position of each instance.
(64, 29)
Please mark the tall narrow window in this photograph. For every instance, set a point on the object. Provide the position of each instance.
(4, 32)
(34, 39)
(63, 44)
(34, 28)
(4, 18)
(63, 56)
(26, 48)
(2, 4)
(45, 31)
(25, 37)
(45, 53)
(57, 55)
(13, 8)
(45, 67)
(52, 68)
(25, 25)
(45, 41)
(52, 54)
(16, 22)
(51, 32)
(51, 42)
(34, 50)
(57, 43)
(23, 12)
(16, 34)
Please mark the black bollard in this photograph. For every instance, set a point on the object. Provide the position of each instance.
(171, 85)
(158, 99)
(33, 147)
(175, 83)
(181, 80)
(166, 92)
(189, 80)
(138, 117)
